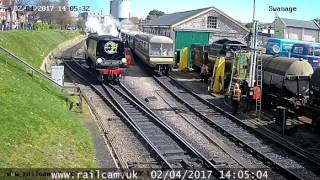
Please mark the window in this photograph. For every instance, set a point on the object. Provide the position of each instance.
(167, 50)
(297, 50)
(155, 49)
(212, 22)
(310, 51)
(286, 47)
(161, 50)
(317, 51)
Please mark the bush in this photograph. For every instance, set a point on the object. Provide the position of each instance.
(55, 26)
(44, 26)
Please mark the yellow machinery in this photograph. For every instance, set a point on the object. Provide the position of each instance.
(218, 75)
(225, 69)
(184, 58)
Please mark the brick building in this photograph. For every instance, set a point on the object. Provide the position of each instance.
(297, 29)
(203, 26)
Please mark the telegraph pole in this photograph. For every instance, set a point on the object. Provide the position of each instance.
(255, 71)
(254, 10)
(253, 47)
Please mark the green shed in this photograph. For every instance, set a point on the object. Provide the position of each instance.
(187, 38)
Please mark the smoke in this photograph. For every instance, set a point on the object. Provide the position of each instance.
(109, 26)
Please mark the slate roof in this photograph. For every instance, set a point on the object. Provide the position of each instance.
(300, 23)
(171, 19)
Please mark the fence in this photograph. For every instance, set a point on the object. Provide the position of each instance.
(28, 66)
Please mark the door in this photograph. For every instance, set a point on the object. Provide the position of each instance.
(187, 38)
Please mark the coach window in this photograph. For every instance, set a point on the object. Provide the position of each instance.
(145, 46)
(212, 22)
(167, 50)
(155, 49)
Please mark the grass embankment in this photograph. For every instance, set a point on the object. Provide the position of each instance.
(36, 128)
(34, 46)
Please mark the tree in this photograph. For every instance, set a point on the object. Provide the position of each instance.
(249, 25)
(55, 16)
(154, 14)
(80, 23)
(10, 4)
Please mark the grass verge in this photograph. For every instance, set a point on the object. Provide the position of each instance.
(37, 130)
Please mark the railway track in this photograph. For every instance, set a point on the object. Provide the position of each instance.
(286, 163)
(169, 149)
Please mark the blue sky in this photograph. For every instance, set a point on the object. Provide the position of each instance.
(238, 9)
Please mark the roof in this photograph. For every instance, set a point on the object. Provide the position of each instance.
(155, 39)
(175, 18)
(286, 66)
(171, 19)
(299, 23)
(307, 44)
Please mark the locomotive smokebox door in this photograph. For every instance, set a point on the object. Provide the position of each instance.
(57, 74)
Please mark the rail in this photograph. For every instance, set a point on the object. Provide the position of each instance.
(19, 60)
(232, 129)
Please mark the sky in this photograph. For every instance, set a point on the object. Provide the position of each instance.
(240, 10)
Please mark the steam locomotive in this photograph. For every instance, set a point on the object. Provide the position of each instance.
(105, 56)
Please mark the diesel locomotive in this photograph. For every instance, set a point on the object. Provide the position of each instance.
(105, 55)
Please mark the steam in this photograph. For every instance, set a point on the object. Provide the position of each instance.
(109, 26)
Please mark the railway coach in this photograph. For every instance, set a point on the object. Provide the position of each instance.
(105, 55)
(155, 51)
(129, 37)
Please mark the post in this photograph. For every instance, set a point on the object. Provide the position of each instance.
(284, 123)
(281, 118)
(254, 9)
(298, 87)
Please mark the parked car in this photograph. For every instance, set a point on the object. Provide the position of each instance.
(308, 51)
(281, 47)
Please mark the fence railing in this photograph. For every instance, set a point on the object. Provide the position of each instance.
(19, 60)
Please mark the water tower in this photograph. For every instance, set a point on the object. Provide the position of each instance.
(120, 9)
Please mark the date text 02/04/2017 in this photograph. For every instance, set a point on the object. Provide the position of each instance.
(52, 8)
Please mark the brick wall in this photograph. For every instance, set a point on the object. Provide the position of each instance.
(225, 28)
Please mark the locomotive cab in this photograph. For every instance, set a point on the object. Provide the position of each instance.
(105, 55)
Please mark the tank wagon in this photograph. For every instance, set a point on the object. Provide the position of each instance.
(286, 82)
(155, 51)
(105, 56)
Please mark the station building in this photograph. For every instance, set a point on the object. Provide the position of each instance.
(202, 26)
(296, 29)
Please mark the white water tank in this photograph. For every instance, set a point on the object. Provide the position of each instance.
(120, 9)
(123, 9)
(114, 8)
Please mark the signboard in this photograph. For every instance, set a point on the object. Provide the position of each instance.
(57, 74)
